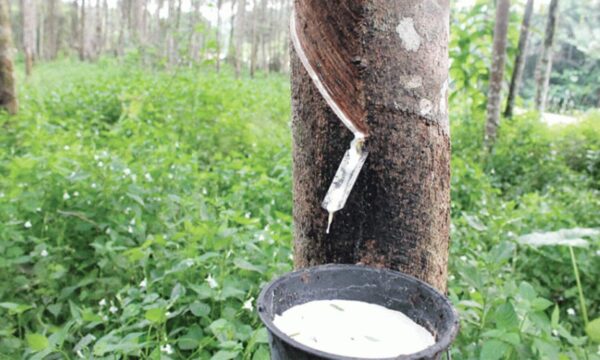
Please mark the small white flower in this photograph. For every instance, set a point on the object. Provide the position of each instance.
(105, 317)
(148, 177)
(228, 254)
(189, 262)
(132, 222)
(127, 171)
(463, 258)
(76, 193)
(27, 224)
(291, 257)
(96, 157)
(211, 281)
(38, 209)
(44, 253)
(451, 277)
(127, 210)
(554, 332)
(472, 290)
(248, 304)
(100, 164)
(80, 354)
(170, 176)
(177, 145)
(130, 229)
(571, 312)
(167, 349)
(261, 237)
(133, 177)
(94, 185)
(66, 196)
(273, 202)
(107, 231)
(144, 283)
(113, 309)
(1, 194)
(102, 303)
(168, 314)
(67, 147)
(597, 251)
(247, 215)
(204, 191)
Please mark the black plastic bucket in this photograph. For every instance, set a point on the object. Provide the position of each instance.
(392, 289)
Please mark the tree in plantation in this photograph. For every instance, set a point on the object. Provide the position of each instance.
(240, 28)
(82, 28)
(218, 35)
(544, 66)
(515, 81)
(8, 94)
(388, 78)
(28, 11)
(497, 72)
(52, 31)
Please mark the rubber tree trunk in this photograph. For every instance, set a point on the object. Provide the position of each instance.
(515, 81)
(497, 72)
(8, 94)
(28, 9)
(240, 29)
(218, 35)
(389, 70)
(544, 66)
(82, 28)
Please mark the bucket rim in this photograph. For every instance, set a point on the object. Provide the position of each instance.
(438, 347)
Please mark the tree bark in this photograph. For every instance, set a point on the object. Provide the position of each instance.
(515, 81)
(389, 70)
(497, 72)
(52, 32)
(28, 10)
(8, 94)
(545, 64)
(240, 28)
(218, 35)
(82, 28)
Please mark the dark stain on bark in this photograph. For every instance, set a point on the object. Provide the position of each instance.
(398, 214)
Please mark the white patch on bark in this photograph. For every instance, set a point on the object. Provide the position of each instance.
(425, 106)
(411, 82)
(443, 97)
(411, 40)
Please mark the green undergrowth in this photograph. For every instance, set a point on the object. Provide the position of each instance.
(141, 211)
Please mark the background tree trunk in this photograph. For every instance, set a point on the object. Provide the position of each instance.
(240, 28)
(8, 94)
(82, 27)
(497, 72)
(515, 81)
(255, 37)
(398, 215)
(52, 32)
(28, 10)
(545, 65)
(218, 34)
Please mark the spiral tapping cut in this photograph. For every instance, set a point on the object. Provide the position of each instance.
(355, 156)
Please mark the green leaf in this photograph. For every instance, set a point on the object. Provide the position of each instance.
(261, 354)
(540, 304)
(245, 265)
(506, 317)
(156, 315)
(15, 309)
(200, 309)
(224, 355)
(593, 330)
(493, 350)
(37, 342)
(555, 317)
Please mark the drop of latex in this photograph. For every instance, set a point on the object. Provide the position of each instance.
(329, 221)
(354, 328)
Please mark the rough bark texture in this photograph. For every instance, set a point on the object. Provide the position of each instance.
(8, 98)
(545, 65)
(515, 81)
(398, 215)
(497, 72)
(29, 33)
(82, 27)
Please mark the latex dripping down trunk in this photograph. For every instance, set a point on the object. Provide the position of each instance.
(344, 103)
